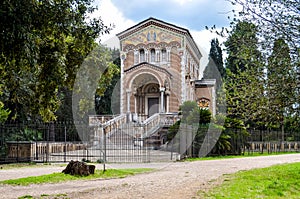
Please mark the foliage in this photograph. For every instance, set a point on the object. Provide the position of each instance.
(244, 87)
(274, 19)
(194, 123)
(276, 24)
(4, 113)
(105, 103)
(281, 84)
(43, 43)
(192, 114)
(173, 130)
(215, 67)
(280, 181)
(93, 78)
(61, 177)
(242, 47)
(26, 135)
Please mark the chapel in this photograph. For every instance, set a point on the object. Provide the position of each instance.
(160, 69)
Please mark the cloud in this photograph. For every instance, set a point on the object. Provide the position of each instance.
(125, 14)
(110, 14)
(191, 14)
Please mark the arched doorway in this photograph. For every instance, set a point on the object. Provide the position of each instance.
(148, 96)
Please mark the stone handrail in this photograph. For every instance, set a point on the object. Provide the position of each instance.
(141, 129)
(150, 125)
(114, 124)
(157, 121)
(96, 120)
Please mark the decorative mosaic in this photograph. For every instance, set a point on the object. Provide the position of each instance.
(152, 35)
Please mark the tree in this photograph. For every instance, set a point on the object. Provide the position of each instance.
(274, 19)
(242, 47)
(93, 79)
(104, 103)
(244, 86)
(215, 67)
(43, 43)
(281, 84)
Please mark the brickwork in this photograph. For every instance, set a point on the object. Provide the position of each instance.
(154, 53)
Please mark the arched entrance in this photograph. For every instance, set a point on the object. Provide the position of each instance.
(149, 96)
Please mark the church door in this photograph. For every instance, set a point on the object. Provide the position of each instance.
(153, 106)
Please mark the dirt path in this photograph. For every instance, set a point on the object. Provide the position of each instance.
(171, 180)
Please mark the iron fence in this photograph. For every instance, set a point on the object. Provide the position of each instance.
(60, 142)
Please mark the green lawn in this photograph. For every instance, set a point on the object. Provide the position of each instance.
(29, 165)
(254, 154)
(280, 181)
(61, 177)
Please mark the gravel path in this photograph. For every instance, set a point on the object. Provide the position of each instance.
(171, 180)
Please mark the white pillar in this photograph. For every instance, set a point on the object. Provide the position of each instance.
(123, 57)
(183, 85)
(128, 100)
(162, 90)
(136, 57)
(168, 103)
(135, 103)
(168, 57)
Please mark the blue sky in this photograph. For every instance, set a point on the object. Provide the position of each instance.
(191, 14)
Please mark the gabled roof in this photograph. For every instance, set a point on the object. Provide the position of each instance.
(153, 21)
(159, 23)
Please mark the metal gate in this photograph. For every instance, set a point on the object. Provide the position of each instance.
(123, 145)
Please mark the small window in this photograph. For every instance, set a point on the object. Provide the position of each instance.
(152, 54)
(142, 55)
(164, 55)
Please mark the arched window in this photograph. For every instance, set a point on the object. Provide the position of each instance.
(142, 55)
(163, 55)
(152, 54)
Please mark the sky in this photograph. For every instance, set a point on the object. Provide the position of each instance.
(193, 15)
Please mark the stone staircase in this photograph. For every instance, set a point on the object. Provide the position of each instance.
(126, 138)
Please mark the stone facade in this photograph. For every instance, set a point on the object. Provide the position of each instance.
(160, 68)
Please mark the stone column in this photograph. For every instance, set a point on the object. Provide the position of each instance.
(162, 91)
(135, 103)
(167, 101)
(183, 85)
(123, 58)
(168, 55)
(157, 52)
(128, 92)
(136, 57)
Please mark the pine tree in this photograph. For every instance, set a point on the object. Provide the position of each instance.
(244, 84)
(281, 84)
(242, 47)
(215, 67)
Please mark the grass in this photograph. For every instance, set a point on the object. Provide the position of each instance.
(27, 165)
(280, 181)
(61, 177)
(254, 154)
(55, 196)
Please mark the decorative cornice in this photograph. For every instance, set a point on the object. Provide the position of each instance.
(159, 23)
(156, 22)
(205, 82)
(150, 46)
(146, 64)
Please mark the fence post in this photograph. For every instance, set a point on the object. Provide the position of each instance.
(65, 150)
(104, 153)
(47, 150)
(36, 146)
